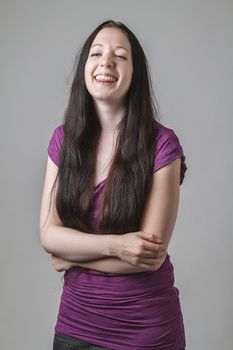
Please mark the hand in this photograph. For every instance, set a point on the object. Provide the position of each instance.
(61, 264)
(142, 249)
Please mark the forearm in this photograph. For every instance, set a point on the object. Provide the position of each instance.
(74, 245)
(110, 265)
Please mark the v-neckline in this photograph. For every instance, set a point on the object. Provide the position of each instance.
(95, 187)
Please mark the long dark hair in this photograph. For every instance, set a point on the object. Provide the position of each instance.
(130, 176)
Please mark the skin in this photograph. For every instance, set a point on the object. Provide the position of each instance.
(106, 57)
(143, 260)
(111, 54)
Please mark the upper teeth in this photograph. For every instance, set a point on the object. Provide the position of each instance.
(105, 77)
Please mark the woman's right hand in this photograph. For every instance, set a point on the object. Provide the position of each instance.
(142, 249)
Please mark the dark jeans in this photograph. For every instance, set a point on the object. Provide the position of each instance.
(63, 342)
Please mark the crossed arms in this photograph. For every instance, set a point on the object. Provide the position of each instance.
(144, 250)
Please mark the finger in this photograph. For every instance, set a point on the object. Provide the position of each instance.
(150, 251)
(148, 254)
(150, 261)
(151, 237)
(154, 247)
(161, 254)
(153, 267)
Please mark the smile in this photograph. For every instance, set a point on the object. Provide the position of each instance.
(105, 78)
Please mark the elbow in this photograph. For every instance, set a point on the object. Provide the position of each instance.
(45, 241)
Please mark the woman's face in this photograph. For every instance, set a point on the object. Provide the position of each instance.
(109, 68)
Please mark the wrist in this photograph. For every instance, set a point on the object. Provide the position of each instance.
(113, 246)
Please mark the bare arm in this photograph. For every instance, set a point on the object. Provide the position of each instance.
(77, 246)
(113, 265)
(73, 245)
(165, 190)
(159, 216)
(66, 242)
(162, 204)
(109, 265)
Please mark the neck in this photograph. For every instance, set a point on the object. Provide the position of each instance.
(109, 115)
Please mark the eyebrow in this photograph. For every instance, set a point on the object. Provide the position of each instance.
(117, 47)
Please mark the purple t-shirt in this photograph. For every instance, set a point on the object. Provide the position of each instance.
(123, 311)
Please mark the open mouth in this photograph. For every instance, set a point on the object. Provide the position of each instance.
(105, 79)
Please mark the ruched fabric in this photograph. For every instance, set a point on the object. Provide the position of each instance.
(123, 311)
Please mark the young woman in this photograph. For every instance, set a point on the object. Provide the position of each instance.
(110, 203)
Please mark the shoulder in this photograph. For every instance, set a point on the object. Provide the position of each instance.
(58, 134)
(164, 133)
(168, 148)
(55, 143)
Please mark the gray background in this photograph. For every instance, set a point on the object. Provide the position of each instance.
(189, 47)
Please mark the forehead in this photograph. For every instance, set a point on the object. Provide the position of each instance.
(112, 37)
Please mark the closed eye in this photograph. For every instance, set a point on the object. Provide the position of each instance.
(121, 57)
(97, 54)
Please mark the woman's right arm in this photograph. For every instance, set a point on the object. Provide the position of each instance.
(109, 265)
(77, 246)
(66, 242)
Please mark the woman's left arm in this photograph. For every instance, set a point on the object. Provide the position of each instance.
(159, 217)
(108, 264)
(162, 204)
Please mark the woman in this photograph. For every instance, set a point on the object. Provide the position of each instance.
(114, 173)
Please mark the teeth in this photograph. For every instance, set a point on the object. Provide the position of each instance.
(101, 77)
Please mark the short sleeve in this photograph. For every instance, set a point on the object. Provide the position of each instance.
(168, 148)
(55, 144)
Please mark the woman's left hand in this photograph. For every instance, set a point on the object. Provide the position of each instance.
(61, 264)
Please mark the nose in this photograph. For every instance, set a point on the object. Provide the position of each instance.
(107, 61)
